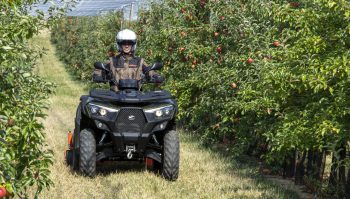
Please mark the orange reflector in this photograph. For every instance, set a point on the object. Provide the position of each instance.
(70, 139)
(149, 162)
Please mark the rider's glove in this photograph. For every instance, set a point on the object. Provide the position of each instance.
(158, 78)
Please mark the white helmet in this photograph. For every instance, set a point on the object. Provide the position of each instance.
(126, 35)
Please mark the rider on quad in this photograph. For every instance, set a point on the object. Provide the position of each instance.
(125, 123)
(126, 65)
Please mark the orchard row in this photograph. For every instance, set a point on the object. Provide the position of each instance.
(267, 78)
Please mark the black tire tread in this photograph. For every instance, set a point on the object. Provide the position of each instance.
(87, 153)
(69, 158)
(171, 155)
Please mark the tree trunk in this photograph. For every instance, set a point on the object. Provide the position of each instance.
(317, 165)
(321, 166)
(333, 175)
(300, 169)
(309, 167)
(342, 156)
(342, 169)
(289, 165)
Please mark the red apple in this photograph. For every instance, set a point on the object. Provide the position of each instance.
(183, 10)
(294, 4)
(3, 192)
(276, 43)
(194, 62)
(233, 85)
(203, 3)
(216, 34)
(250, 61)
(222, 18)
(219, 49)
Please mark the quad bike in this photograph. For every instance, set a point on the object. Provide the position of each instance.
(125, 125)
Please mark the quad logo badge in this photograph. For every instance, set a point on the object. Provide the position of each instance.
(131, 117)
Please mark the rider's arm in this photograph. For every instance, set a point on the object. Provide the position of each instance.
(145, 67)
(109, 75)
(99, 75)
(152, 74)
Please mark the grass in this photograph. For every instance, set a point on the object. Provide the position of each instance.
(204, 173)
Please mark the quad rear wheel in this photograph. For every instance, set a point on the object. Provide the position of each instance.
(171, 155)
(69, 157)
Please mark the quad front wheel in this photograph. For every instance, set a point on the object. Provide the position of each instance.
(171, 155)
(87, 153)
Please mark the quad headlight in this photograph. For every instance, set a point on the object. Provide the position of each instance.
(102, 111)
(162, 112)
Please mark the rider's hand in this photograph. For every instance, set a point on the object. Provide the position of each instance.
(158, 78)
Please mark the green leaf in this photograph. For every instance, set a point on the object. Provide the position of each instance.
(6, 47)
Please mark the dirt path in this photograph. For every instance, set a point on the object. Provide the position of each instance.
(203, 173)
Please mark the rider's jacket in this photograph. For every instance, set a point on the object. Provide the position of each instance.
(125, 66)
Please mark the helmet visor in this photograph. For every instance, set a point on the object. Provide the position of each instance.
(127, 42)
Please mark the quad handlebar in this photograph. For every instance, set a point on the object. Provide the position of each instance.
(128, 83)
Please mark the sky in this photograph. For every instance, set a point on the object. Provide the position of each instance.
(95, 7)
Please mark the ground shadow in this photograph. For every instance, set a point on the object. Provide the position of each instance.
(246, 167)
(111, 167)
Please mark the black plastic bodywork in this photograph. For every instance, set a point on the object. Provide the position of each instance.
(115, 131)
